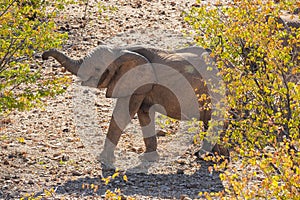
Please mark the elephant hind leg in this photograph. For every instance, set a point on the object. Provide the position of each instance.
(146, 117)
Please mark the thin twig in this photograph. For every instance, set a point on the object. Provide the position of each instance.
(7, 8)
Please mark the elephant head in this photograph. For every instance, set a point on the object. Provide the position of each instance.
(104, 67)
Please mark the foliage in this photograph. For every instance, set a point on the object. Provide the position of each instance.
(27, 28)
(258, 58)
(102, 8)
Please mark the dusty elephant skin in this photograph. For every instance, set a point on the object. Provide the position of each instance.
(144, 81)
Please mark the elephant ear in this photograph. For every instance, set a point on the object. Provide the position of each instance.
(129, 74)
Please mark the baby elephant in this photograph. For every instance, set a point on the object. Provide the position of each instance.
(144, 81)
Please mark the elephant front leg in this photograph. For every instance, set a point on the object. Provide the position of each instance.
(124, 111)
(112, 138)
(146, 118)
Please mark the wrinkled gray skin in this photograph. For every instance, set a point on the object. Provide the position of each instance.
(155, 81)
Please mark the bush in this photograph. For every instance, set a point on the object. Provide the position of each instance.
(27, 28)
(258, 57)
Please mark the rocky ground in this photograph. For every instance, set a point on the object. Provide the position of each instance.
(51, 152)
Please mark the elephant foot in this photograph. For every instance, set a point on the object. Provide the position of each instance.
(149, 156)
(217, 150)
(106, 158)
(107, 167)
(221, 151)
(203, 153)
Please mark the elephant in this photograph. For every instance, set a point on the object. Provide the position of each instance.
(146, 80)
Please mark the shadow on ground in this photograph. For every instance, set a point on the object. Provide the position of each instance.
(148, 185)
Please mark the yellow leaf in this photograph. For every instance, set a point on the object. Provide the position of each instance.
(106, 180)
(21, 140)
(222, 177)
(115, 175)
(125, 178)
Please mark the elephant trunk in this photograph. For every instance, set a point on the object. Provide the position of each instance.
(68, 63)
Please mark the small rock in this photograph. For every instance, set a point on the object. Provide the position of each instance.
(162, 12)
(62, 28)
(26, 159)
(70, 139)
(11, 156)
(76, 173)
(161, 133)
(56, 155)
(65, 130)
(86, 39)
(185, 197)
(30, 182)
(37, 56)
(65, 158)
(182, 162)
(16, 181)
(137, 149)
